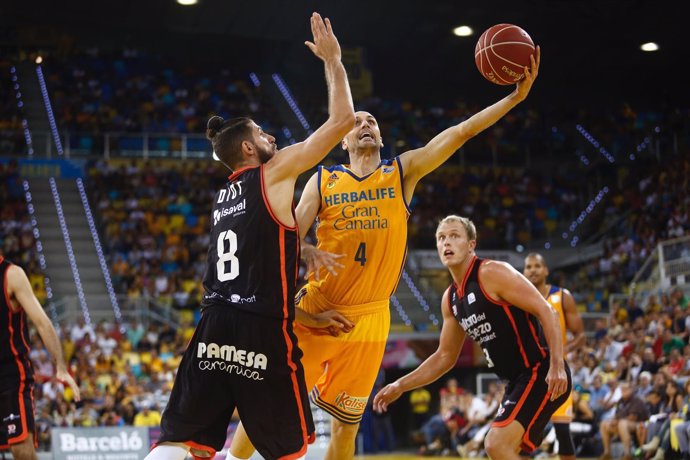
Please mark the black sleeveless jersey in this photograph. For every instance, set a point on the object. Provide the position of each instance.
(253, 260)
(15, 365)
(510, 337)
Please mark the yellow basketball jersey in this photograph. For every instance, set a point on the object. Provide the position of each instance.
(555, 299)
(365, 219)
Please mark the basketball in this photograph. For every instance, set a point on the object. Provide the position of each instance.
(502, 52)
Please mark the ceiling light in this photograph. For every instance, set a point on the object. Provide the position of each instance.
(39, 59)
(649, 46)
(187, 2)
(463, 31)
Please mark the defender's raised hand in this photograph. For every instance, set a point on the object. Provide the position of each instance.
(325, 46)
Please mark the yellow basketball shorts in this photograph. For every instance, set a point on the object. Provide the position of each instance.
(564, 414)
(341, 371)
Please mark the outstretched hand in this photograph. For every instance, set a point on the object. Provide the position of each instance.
(385, 396)
(525, 85)
(325, 46)
(316, 259)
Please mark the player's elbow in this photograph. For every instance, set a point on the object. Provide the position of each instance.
(447, 360)
(465, 132)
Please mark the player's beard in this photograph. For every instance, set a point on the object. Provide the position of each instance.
(265, 154)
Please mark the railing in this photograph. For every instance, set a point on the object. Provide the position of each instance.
(667, 266)
(134, 309)
(123, 144)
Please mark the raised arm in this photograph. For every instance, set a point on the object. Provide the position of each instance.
(306, 212)
(503, 283)
(308, 206)
(295, 159)
(420, 162)
(20, 290)
(436, 365)
(573, 323)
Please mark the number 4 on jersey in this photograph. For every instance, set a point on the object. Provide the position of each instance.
(361, 254)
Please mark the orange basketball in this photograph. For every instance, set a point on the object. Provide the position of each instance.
(502, 52)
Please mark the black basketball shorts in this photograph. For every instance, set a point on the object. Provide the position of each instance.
(17, 413)
(240, 360)
(527, 401)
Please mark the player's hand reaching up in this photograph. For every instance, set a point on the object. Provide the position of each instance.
(317, 259)
(525, 85)
(325, 46)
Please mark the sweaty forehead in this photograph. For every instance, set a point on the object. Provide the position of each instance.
(448, 227)
(364, 115)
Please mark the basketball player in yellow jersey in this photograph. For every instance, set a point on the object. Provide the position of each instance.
(362, 210)
(563, 302)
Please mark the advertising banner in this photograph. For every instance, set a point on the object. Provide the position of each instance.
(100, 443)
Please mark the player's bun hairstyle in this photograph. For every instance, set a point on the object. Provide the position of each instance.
(226, 137)
(214, 125)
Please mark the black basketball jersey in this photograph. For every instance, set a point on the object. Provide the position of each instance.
(253, 260)
(15, 365)
(510, 337)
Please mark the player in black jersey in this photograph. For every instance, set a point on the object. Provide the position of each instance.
(503, 312)
(244, 354)
(18, 302)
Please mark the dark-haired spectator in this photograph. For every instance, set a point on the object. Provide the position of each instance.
(631, 411)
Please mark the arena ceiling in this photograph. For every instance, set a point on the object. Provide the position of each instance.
(590, 49)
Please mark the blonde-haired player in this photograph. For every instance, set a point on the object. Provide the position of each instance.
(563, 302)
(362, 210)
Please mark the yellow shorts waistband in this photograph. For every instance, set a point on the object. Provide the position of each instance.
(313, 302)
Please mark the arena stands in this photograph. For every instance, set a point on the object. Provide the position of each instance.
(524, 183)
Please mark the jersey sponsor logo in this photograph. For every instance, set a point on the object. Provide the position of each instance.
(388, 169)
(500, 411)
(236, 298)
(478, 328)
(235, 210)
(473, 319)
(231, 354)
(230, 368)
(455, 310)
(352, 404)
(383, 193)
(555, 298)
(11, 429)
(11, 417)
(360, 218)
(471, 298)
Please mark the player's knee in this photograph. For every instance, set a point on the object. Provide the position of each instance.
(241, 446)
(24, 450)
(493, 444)
(344, 431)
